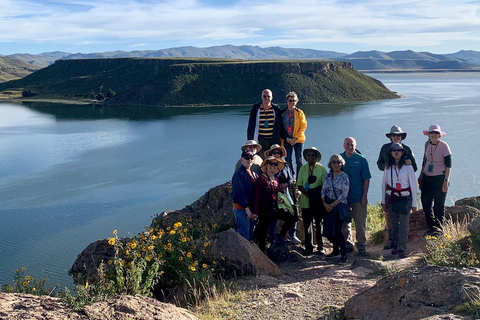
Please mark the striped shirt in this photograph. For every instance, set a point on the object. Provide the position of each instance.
(267, 121)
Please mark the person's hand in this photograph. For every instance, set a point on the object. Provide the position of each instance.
(302, 190)
(364, 201)
(280, 200)
(384, 206)
(414, 209)
(408, 162)
(249, 213)
(445, 187)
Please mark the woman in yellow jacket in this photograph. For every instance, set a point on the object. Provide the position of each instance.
(295, 124)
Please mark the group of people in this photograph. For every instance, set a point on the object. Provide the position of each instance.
(267, 187)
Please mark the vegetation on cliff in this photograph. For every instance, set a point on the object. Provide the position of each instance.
(142, 81)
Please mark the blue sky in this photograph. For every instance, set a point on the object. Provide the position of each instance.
(36, 26)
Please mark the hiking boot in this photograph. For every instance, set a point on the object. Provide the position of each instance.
(394, 251)
(389, 246)
(307, 252)
(295, 240)
(333, 254)
(362, 252)
(401, 254)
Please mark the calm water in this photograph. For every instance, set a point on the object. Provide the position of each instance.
(70, 175)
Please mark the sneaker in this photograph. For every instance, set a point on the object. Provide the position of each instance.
(362, 252)
(333, 254)
(402, 254)
(388, 246)
(343, 260)
(295, 240)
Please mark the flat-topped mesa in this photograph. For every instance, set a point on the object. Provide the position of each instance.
(180, 81)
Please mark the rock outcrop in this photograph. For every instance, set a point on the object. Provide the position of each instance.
(18, 306)
(415, 294)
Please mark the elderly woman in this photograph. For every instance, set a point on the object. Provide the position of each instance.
(399, 196)
(434, 178)
(396, 135)
(309, 182)
(295, 124)
(242, 196)
(334, 192)
(265, 198)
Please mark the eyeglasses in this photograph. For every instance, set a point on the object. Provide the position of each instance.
(248, 158)
(335, 162)
(291, 100)
(434, 132)
(277, 152)
(266, 96)
(397, 150)
(273, 164)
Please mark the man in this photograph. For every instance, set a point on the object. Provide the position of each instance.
(356, 167)
(265, 122)
(253, 147)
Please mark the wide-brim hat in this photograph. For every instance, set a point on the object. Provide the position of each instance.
(269, 152)
(312, 149)
(280, 162)
(395, 146)
(252, 143)
(436, 128)
(396, 130)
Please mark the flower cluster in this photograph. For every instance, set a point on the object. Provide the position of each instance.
(24, 283)
(446, 251)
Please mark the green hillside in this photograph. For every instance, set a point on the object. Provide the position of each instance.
(180, 81)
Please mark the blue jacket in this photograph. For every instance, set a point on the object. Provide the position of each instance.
(242, 187)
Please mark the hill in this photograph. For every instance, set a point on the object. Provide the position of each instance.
(137, 81)
(11, 69)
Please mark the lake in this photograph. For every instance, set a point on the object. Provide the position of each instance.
(70, 175)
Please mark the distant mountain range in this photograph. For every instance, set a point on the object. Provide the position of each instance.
(18, 65)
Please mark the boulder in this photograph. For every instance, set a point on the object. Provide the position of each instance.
(19, 306)
(239, 256)
(472, 201)
(416, 293)
(474, 229)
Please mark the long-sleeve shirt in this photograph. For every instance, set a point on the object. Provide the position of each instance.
(340, 183)
(242, 187)
(319, 171)
(383, 156)
(405, 176)
(263, 192)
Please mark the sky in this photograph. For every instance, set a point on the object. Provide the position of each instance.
(87, 26)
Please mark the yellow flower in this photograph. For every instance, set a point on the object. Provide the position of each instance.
(161, 233)
(34, 289)
(27, 278)
(429, 237)
(114, 232)
(195, 263)
(192, 268)
(447, 236)
(172, 232)
(177, 225)
(132, 245)
(25, 283)
(151, 247)
(154, 237)
(215, 225)
(169, 245)
(23, 268)
(86, 285)
(111, 241)
(150, 256)
(184, 239)
(205, 244)
(139, 255)
(110, 261)
(204, 266)
(159, 255)
(165, 247)
(180, 258)
(189, 254)
(150, 231)
(127, 252)
(123, 262)
(185, 230)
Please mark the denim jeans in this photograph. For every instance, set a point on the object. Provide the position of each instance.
(298, 148)
(244, 225)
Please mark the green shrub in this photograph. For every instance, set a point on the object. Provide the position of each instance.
(24, 283)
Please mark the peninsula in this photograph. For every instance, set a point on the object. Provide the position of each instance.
(195, 81)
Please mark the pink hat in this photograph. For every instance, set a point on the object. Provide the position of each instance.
(436, 128)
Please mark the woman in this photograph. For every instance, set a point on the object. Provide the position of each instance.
(310, 180)
(434, 178)
(399, 196)
(265, 197)
(286, 180)
(396, 135)
(295, 124)
(242, 196)
(335, 191)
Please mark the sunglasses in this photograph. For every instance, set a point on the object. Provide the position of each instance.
(291, 100)
(434, 132)
(273, 164)
(266, 96)
(335, 162)
(277, 152)
(397, 150)
(396, 135)
(248, 158)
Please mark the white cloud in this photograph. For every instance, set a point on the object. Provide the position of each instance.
(311, 23)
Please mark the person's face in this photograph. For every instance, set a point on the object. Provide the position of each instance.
(396, 138)
(292, 102)
(277, 153)
(434, 136)
(252, 149)
(247, 163)
(311, 157)
(336, 164)
(349, 145)
(267, 98)
(272, 166)
(396, 153)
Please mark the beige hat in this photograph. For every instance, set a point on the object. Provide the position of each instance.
(269, 152)
(312, 149)
(252, 143)
(280, 162)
